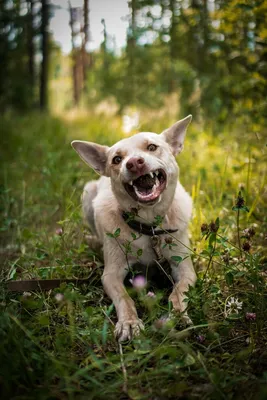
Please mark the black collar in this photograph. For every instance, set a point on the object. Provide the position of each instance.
(145, 229)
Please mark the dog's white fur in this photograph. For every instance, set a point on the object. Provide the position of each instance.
(104, 200)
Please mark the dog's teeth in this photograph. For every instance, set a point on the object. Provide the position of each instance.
(131, 183)
(157, 172)
(151, 174)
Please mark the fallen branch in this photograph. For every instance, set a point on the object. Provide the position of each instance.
(41, 284)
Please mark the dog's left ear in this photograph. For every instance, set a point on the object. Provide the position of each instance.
(93, 154)
(175, 135)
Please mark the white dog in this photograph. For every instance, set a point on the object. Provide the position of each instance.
(139, 182)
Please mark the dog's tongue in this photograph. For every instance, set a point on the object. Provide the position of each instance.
(145, 182)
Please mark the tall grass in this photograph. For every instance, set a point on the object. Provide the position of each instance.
(59, 344)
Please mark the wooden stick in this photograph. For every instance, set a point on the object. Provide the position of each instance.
(41, 284)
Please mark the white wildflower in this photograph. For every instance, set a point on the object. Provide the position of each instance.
(59, 297)
(233, 306)
(26, 294)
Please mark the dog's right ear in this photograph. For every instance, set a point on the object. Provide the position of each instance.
(93, 154)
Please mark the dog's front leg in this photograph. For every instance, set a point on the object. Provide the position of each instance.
(115, 270)
(183, 275)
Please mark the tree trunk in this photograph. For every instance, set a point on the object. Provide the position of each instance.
(85, 40)
(30, 46)
(74, 61)
(45, 55)
(104, 45)
(173, 45)
(131, 53)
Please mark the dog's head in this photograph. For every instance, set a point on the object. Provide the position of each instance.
(142, 168)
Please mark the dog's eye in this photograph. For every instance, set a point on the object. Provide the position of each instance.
(116, 160)
(152, 147)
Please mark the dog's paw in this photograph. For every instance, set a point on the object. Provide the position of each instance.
(179, 307)
(184, 317)
(127, 329)
(178, 304)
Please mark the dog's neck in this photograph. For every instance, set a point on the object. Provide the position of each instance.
(145, 229)
(148, 214)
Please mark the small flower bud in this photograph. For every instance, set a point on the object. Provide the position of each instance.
(161, 322)
(240, 202)
(226, 258)
(204, 228)
(59, 297)
(213, 227)
(200, 338)
(249, 232)
(246, 246)
(151, 294)
(168, 240)
(26, 294)
(250, 316)
(139, 282)
(59, 231)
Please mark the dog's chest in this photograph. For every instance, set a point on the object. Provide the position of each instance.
(147, 249)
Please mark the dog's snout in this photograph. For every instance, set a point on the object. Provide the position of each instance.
(134, 164)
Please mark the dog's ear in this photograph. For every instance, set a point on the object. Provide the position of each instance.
(175, 135)
(93, 154)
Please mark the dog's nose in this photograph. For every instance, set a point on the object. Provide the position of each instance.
(134, 164)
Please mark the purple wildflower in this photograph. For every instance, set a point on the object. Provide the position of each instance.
(151, 294)
(200, 338)
(161, 322)
(59, 231)
(139, 282)
(250, 316)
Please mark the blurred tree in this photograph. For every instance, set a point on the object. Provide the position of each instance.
(30, 45)
(212, 53)
(14, 75)
(45, 55)
(73, 18)
(81, 58)
(23, 25)
(85, 41)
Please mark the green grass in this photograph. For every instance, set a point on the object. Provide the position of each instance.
(63, 347)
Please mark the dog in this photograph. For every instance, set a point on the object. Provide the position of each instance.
(139, 200)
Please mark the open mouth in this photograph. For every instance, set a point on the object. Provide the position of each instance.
(147, 188)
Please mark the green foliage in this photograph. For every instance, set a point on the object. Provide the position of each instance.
(23, 25)
(115, 234)
(214, 57)
(177, 259)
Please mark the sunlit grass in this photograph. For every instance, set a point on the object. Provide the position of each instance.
(63, 346)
